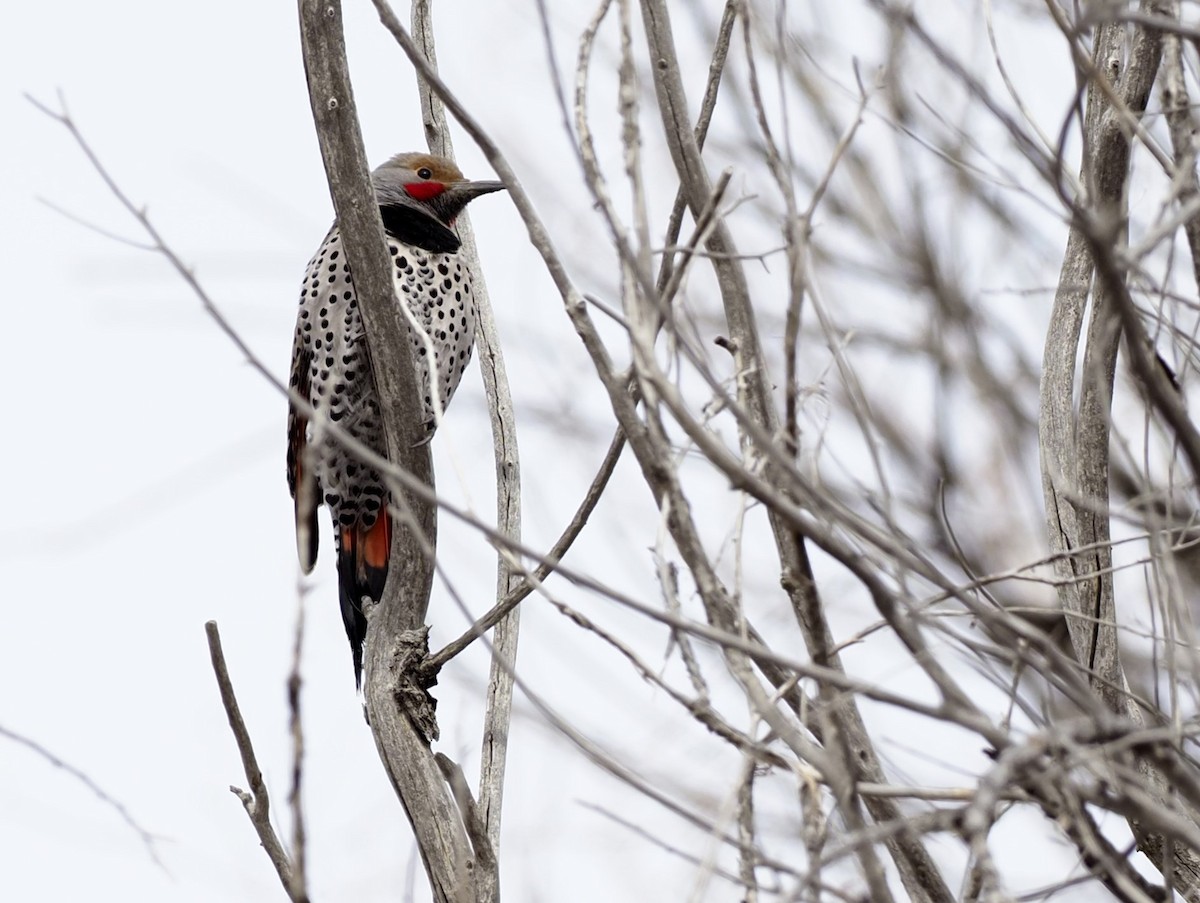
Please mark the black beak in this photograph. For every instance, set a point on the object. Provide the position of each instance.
(450, 203)
(465, 192)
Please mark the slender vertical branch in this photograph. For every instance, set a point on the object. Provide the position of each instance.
(295, 794)
(1075, 445)
(1182, 125)
(256, 800)
(392, 634)
(498, 712)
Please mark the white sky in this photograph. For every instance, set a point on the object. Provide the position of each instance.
(145, 491)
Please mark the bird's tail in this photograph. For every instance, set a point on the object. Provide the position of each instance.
(362, 571)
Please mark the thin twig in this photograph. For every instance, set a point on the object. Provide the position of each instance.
(295, 795)
(549, 562)
(256, 801)
(148, 839)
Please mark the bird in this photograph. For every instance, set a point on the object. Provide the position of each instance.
(419, 196)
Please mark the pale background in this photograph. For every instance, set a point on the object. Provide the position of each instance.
(145, 492)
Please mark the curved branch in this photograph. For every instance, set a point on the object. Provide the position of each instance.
(1075, 445)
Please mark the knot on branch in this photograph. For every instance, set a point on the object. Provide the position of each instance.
(794, 583)
(412, 681)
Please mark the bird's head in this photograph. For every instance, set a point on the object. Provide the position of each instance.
(427, 182)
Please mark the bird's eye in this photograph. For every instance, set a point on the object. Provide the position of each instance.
(425, 172)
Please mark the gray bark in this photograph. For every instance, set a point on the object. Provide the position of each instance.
(395, 639)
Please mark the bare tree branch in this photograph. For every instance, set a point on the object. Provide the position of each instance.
(498, 713)
(148, 839)
(299, 889)
(403, 747)
(920, 875)
(256, 801)
(1075, 446)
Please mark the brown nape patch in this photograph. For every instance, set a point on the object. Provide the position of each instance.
(443, 170)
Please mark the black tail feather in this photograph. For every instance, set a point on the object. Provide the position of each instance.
(350, 596)
(356, 580)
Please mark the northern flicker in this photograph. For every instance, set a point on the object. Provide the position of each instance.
(419, 197)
